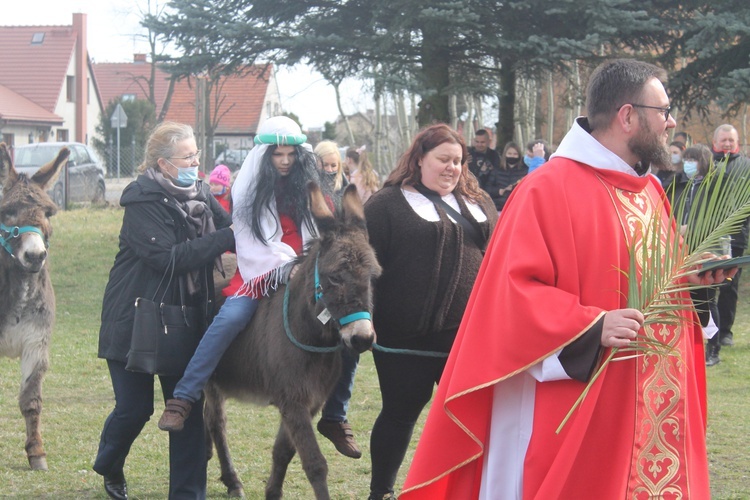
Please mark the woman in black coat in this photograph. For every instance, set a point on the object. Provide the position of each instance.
(168, 211)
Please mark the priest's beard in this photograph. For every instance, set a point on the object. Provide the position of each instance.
(649, 147)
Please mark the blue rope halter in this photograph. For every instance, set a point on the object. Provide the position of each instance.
(349, 318)
(14, 232)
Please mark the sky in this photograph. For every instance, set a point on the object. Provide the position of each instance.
(112, 25)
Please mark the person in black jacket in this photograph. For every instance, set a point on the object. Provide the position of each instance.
(429, 226)
(726, 148)
(503, 180)
(167, 210)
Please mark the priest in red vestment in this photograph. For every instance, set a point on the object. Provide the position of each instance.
(549, 303)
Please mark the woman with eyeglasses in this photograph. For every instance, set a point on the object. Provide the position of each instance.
(169, 214)
(273, 224)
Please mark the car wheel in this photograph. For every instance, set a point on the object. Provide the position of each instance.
(58, 196)
(99, 194)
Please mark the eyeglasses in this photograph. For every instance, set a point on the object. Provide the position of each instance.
(663, 110)
(189, 158)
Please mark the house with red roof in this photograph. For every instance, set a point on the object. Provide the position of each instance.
(238, 104)
(47, 87)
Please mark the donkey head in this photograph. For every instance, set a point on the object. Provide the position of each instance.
(347, 267)
(25, 209)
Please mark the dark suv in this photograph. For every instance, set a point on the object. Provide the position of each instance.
(85, 170)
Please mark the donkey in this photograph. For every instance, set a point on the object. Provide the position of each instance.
(28, 310)
(288, 356)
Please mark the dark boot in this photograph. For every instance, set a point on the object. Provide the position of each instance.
(175, 414)
(712, 354)
(727, 339)
(116, 486)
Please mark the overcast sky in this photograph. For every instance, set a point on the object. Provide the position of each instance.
(111, 28)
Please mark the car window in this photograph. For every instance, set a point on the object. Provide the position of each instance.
(82, 155)
(35, 156)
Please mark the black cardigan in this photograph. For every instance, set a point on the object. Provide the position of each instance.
(429, 268)
(151, 226)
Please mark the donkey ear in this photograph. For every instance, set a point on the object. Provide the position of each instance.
(352, 206)
(47, 175)
(318, 206)
(8, 173)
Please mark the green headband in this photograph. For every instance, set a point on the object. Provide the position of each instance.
(281, 139)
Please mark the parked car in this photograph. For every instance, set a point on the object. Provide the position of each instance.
(232, 158)
(85, 170)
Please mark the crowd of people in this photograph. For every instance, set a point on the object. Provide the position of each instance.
(498, 288)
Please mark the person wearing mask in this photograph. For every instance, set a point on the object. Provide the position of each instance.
(220, 181)
(332, 171)
(333, 423)
(667, 173)
(696, 163)
(168, 214)
(482, 158)
(429, 225)
(272, 221)
(726, 151)
(501, 181)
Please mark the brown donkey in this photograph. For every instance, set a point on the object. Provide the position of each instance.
(28, 302)
(288, 356)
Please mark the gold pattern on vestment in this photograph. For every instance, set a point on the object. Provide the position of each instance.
(659, 443)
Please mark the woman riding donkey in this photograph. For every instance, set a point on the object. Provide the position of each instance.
(272, 225)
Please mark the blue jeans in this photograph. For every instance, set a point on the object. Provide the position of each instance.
(134, 405)
(338, 402)
(233, 316)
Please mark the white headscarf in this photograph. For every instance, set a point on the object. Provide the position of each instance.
(262, 264)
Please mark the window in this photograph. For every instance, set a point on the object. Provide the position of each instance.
(128, 97)
(37, 38)
(70, 83)
(62, 135)
(9, 139)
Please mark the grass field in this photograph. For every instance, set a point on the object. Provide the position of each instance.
(78, 397)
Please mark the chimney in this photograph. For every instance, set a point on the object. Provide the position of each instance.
(81, 77)
(139, 58)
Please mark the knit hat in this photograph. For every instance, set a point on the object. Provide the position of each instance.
(220, 175)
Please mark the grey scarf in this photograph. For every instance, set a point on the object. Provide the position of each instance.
(193, 206)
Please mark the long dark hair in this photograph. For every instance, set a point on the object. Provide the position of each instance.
(409, 172)
(288, 192)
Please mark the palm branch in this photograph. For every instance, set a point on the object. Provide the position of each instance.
(718, 207)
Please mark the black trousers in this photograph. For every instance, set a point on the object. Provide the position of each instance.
(727, 303)
(406, 385)
(134, 405)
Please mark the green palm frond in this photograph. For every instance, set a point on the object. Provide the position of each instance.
(720, 207)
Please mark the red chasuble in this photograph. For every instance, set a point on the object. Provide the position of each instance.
(553, 268)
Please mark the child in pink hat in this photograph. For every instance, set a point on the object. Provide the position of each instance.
(219, 181)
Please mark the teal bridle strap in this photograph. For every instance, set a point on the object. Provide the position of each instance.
(349, 318)
(15, 232)
(308, 348)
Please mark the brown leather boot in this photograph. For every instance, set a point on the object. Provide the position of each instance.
(341, 435)
(173, 418)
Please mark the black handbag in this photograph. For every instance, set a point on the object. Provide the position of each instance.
(165, 336)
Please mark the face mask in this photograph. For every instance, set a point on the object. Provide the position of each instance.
(690, 167)
(185, 176)
(512, 161)
(527, 160)
(676, 158)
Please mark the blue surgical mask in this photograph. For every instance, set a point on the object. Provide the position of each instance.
(676, 158)
(527, 160)
(690, 167)
(185, 176)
